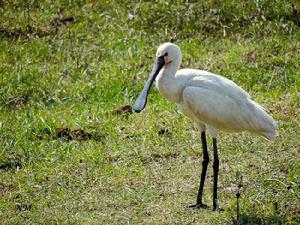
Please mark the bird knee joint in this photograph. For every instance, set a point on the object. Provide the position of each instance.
(216, 165)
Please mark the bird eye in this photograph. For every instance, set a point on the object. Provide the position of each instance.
(166, 54)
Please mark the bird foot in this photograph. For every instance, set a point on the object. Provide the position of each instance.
(198, 206)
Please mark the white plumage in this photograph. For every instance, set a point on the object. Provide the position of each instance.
(210, 100)
(213, 102)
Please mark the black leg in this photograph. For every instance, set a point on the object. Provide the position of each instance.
(216, 170)
(205, 161)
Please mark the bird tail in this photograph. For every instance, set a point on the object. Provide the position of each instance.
(270, 135)
(268, 126)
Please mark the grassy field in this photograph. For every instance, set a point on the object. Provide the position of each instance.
(70, 155)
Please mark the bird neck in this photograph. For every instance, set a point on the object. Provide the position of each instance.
(166, 82)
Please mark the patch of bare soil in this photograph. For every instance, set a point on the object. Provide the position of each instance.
(10, 166)
(35, 32)
(294, 16)
(5, 188)
(68, 134)
(169, 155)
(164, 131)
(124, 109)
(27, 33)
(59, 21)
(16, 101)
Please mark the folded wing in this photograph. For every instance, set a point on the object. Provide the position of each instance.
(226, 109)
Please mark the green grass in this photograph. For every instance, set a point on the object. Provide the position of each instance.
(58, 73)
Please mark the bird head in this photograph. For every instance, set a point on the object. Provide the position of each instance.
(170, 52)
(165, 55)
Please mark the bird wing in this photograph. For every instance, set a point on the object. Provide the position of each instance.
(222, 85)
(222, 111)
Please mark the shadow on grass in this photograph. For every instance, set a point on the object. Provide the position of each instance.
(255, 219)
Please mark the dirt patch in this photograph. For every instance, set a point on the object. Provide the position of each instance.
(5, 188)
(169, 155)
(16, 101)
(10, 33)
(294, 16)
(68, 134)
(34, 32)
(77, 134)
(164, 132)
(124, 109)
(59, 21)
(27, 33)
(10, 166)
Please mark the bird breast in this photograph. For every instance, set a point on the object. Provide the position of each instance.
(169, 88)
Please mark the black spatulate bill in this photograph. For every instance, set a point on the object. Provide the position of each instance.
(141, 101)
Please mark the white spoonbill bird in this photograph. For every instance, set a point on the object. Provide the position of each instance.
(211, 101)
